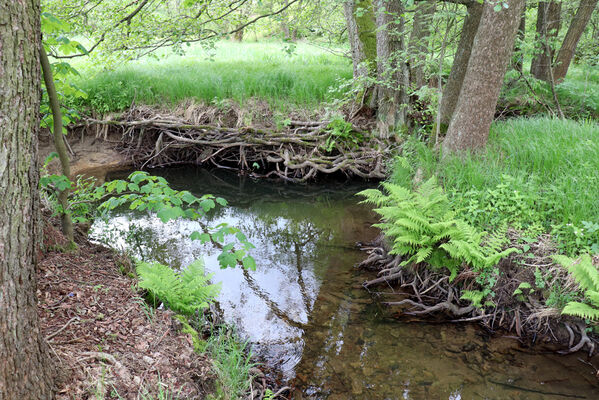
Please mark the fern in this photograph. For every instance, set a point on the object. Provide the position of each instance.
(587, 277)
(184, 292)
(422, 227)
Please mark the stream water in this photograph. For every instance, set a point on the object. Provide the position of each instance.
(306, 315)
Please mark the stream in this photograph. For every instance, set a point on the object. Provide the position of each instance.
(306, 315)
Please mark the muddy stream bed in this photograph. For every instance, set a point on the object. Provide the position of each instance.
(307, 317)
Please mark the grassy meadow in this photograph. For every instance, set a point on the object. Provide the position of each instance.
(230, 70)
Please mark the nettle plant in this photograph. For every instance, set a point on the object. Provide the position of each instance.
(144, 192)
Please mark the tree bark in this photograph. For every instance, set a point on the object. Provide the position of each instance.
(453, 86)
(25, 371)
(362, 36)
(575, 31)
(548, 25)
(519, 62)
(419, 39)
(391, 87)
(491, 51)
(59, 144)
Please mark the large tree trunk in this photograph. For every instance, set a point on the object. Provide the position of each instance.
(419, 39)
(491, 51)
(391, 89)
(548, 25)
(575, 31)
(453, 86)
(25, 372)
(362, 36)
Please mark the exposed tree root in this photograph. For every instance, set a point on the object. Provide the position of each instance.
(296, 152)
(429, 292)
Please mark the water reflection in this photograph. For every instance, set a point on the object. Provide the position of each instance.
(306, 317)
(294, 237)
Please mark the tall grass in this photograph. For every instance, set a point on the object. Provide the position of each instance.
(578, 94)
(550, 165)
(231, 360)
(232, 70)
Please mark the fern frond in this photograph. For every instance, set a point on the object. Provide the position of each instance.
(581, 310)
(184, 292)
(593, 297)
(583, 270)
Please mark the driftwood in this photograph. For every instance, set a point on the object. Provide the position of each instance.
(417, 290)
(296, 152)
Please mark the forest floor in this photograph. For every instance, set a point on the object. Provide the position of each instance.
(106, 343)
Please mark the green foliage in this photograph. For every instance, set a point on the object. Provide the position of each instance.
(234, 71)
(587, 277)
(185, 292)
(55, 41)
(232, 363)
(341, 135)
(537, 175)
(578, 93)
(152, 193)
(422, 227)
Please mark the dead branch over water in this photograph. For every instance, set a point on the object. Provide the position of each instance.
(297, 152)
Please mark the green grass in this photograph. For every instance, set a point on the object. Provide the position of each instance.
(578, 94)
(231, 361)
(237, 71)
(541, 175)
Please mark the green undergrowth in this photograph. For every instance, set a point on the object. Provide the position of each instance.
(189, 293)
(536, 175)
(578, 94)
(237, 71)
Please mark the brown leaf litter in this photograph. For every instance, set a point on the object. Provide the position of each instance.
(101, 336)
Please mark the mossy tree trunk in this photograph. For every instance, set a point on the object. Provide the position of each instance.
(491, 51)
(361, 30)
(25, 371)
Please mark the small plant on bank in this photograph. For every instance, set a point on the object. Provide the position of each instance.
(341, 135)
(587, 277)
(186, 292)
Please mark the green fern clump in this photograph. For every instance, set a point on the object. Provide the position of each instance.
(184, 292)
(587, 277)
(422, 227)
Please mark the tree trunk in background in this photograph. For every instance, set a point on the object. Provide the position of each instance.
(391, 90)
(25, 371)
(491, 51)
(575, 31)
(548, 25)
(361, 32)
(453, 86)
(519, 62)
(419, 39)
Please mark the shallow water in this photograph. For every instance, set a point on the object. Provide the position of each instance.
(307, 317)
